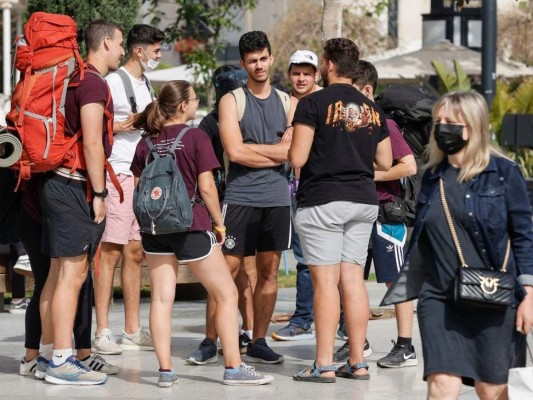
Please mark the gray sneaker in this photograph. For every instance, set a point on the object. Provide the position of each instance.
(343, 354)
(205, 354)
(105, 343)
(245, 375)
(42, 365)
(293, 333)
(73, 372)
(140, 340)
(98, 364)
(167, 379)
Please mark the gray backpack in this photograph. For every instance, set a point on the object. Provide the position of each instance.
(161, 202)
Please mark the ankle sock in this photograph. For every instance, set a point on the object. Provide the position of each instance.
(60, 356)
(248, 333)
(164, 370)
(46, 350)
(403, 341)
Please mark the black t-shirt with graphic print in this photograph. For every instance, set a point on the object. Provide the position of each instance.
(348, 128)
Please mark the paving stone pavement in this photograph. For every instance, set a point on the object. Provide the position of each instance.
(137, 378)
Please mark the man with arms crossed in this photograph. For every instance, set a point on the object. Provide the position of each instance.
(256, 205)
(121, 237)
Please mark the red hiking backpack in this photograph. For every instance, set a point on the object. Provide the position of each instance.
(48, 58)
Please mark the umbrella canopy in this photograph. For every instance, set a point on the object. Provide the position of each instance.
(183, 72)
(418, 63)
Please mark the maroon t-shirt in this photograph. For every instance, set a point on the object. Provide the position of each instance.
(195, 156)
(389, 190)
(91, 89)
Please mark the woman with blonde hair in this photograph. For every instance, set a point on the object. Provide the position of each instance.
(162, 122)
(473, 211)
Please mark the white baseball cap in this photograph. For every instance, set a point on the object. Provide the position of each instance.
(304, 57)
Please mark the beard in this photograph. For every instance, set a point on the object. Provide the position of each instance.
(324, 75)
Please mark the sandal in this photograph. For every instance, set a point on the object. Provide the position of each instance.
(314, 374)
(347, 371)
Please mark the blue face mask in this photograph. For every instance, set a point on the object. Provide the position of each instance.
(449, 138)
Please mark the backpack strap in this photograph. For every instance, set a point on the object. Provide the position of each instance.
(177, 141)
(240, 100)
(285, 99)
(130, 95)
(150, 88)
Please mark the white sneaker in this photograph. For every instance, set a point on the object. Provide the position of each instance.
(23, 266)
(27, 368)
(105, 343)
(140, 340)
(19, 306)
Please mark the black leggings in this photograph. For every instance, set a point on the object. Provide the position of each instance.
(29, 232)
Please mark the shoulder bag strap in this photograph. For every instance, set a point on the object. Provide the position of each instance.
(454, 232)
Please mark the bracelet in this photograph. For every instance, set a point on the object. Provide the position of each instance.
(287, 127)
(219, 229)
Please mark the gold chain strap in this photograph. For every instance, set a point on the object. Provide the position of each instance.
(454, 232)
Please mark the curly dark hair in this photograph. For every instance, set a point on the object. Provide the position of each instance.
(253, 41)
(344, 54)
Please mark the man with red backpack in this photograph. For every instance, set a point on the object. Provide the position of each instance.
(73, 225)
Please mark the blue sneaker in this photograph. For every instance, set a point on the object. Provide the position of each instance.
(73, 372)
(245, 375)
(259, 352)
(167, 379)
(205, 354)
(42, 365)
(293, 333)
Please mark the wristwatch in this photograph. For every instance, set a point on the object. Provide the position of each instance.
(103, 193)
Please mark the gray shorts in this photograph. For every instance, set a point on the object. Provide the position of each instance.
(335, 232)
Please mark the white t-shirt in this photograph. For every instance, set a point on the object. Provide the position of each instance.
(125, 142)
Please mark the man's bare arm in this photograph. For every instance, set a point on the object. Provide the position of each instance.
(92, 115)
(231, 136)
(405, 166)
(301, 145)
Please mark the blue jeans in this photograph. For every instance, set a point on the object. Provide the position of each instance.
(303, 315)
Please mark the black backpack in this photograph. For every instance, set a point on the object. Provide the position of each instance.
(410, 106)
(161, 202)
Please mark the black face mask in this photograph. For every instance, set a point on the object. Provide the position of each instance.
(450, 138)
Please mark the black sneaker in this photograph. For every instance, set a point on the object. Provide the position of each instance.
(341, 332)
(259, 352)
(205, 354)
(244, 339)
(399, 357)
(343, 354)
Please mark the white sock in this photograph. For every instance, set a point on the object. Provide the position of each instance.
(60, 356)
(249, 333)
(45, 350)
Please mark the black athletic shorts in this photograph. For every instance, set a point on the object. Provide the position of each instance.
(68, 219)
(186, 246)
(255, 229)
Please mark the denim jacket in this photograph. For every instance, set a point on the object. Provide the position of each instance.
(498, 205)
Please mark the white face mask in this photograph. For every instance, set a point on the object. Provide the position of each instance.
(150, 65)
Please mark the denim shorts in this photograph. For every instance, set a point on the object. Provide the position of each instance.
(336, 231)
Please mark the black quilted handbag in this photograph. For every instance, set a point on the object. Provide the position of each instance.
(480, 287)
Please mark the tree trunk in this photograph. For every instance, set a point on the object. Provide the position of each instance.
(332, 19)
